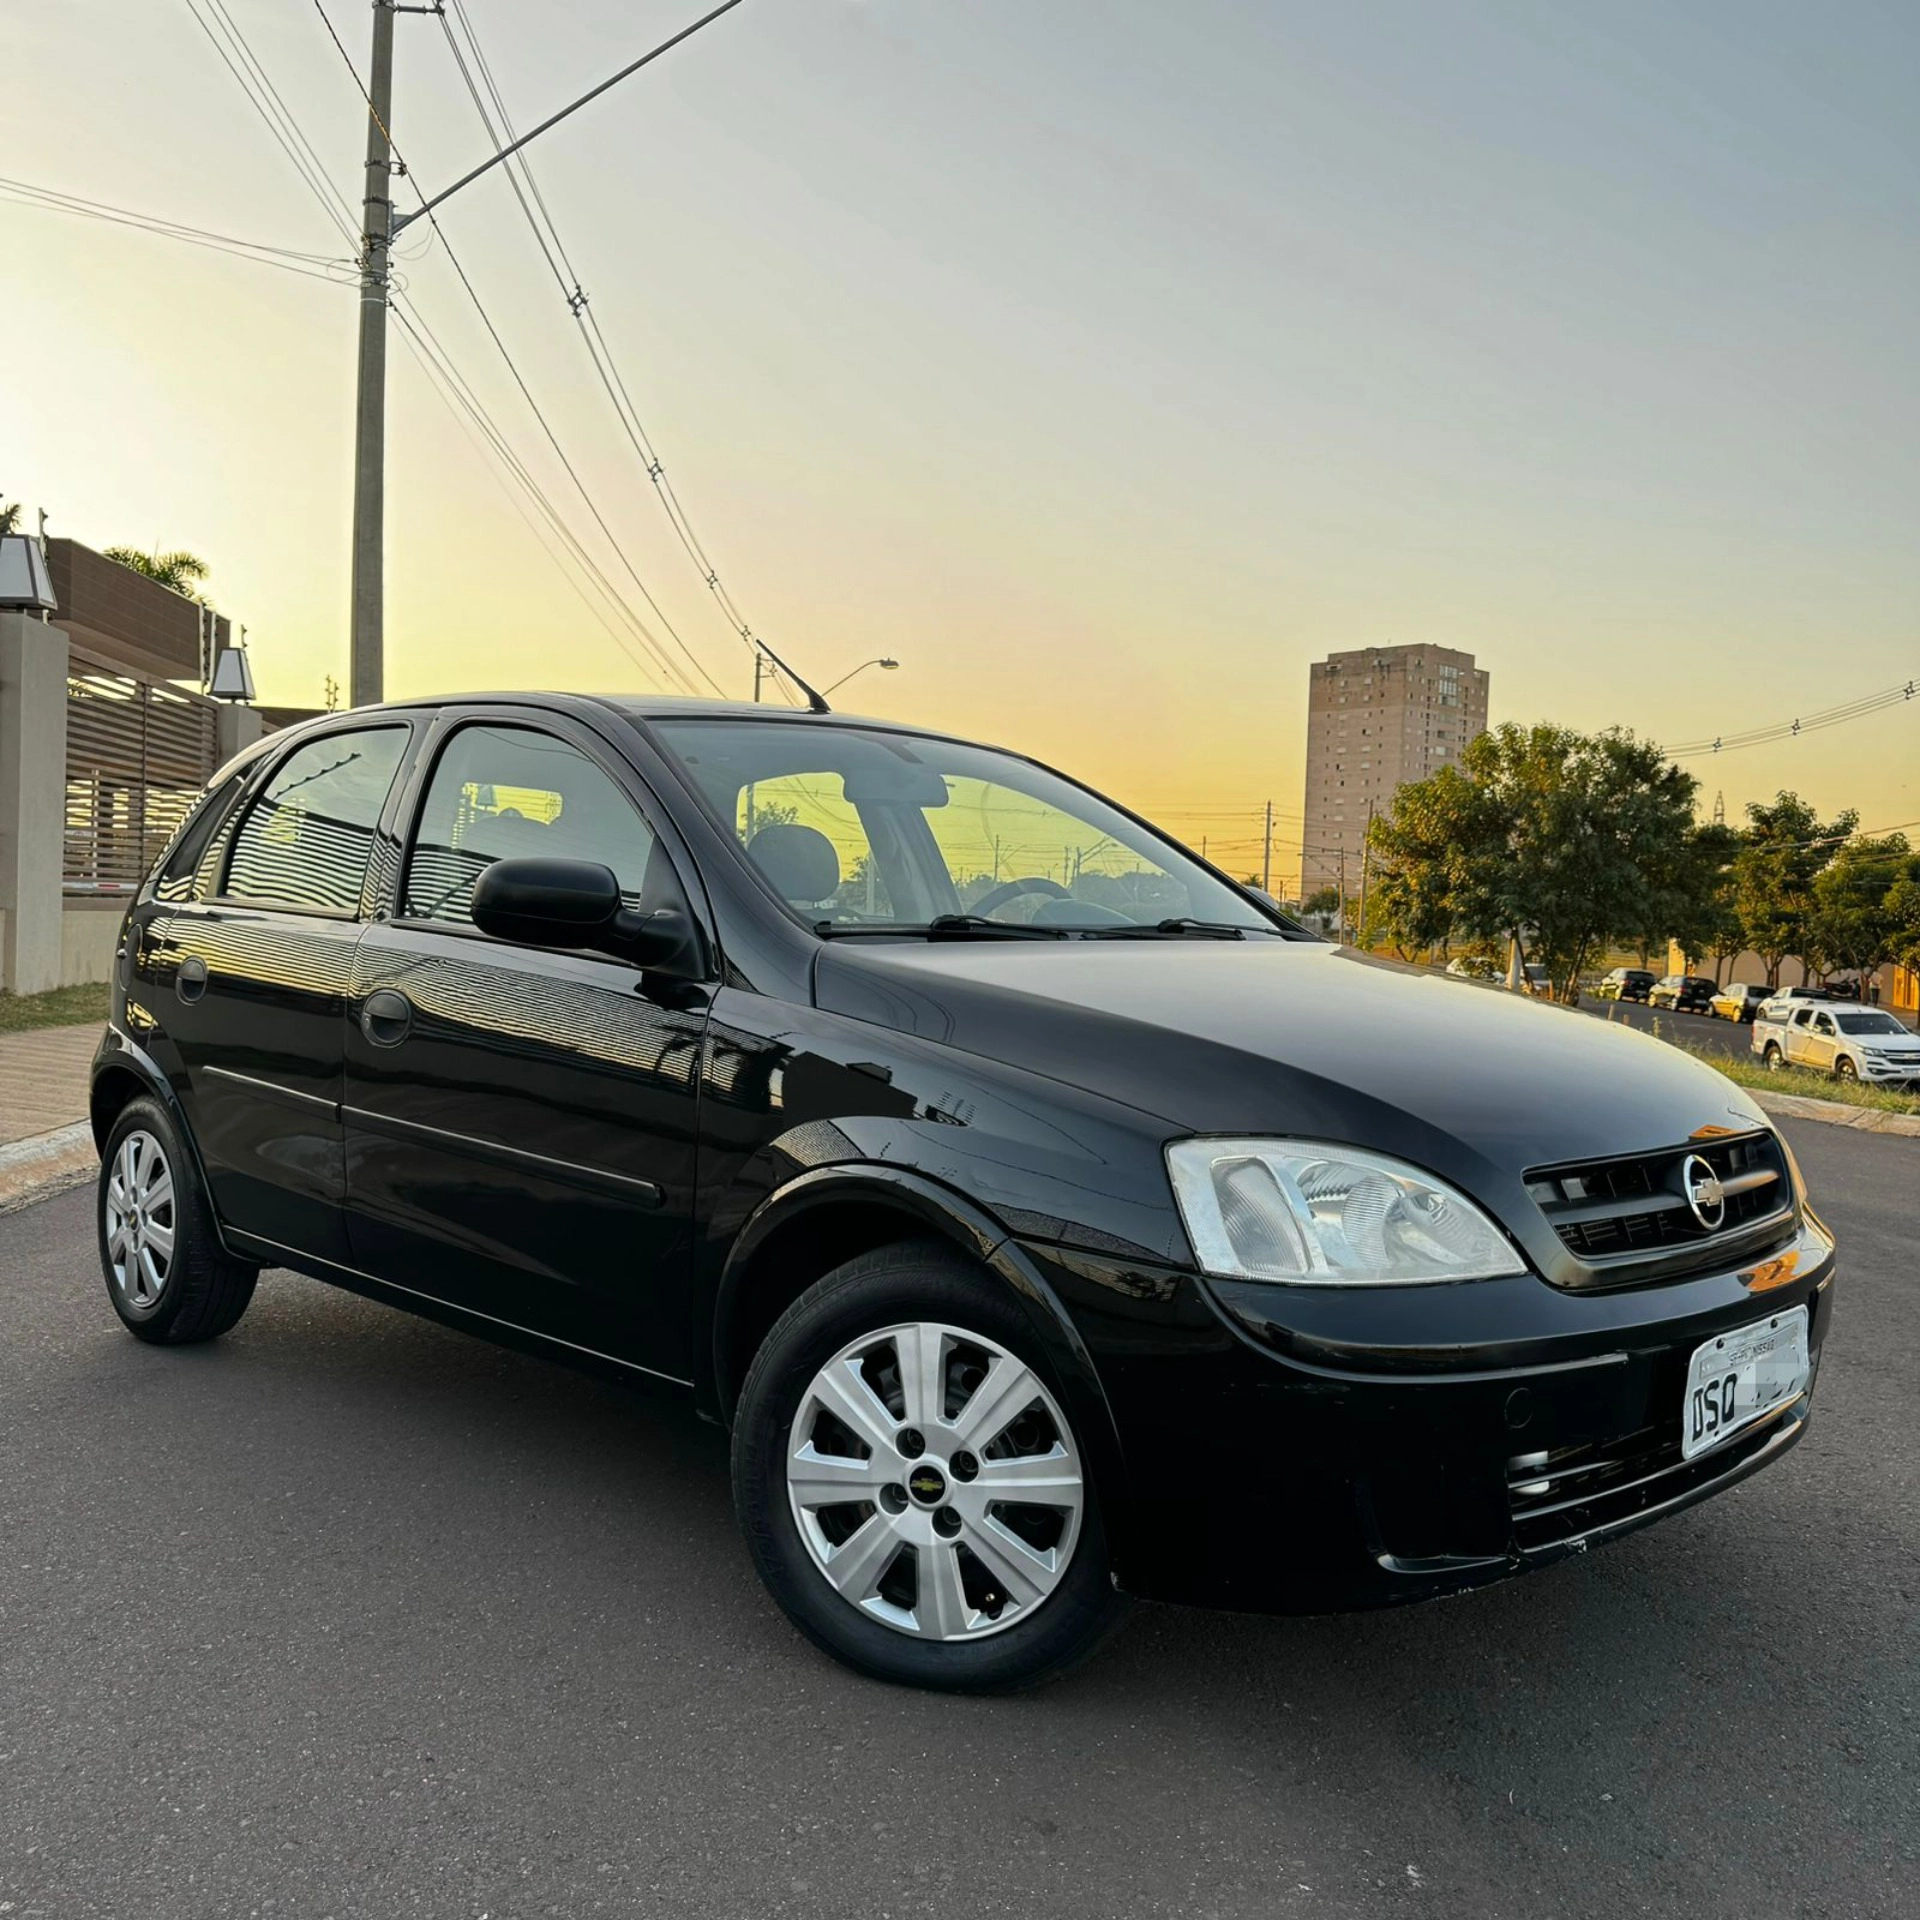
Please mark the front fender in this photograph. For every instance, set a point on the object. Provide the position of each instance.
(928, 1209)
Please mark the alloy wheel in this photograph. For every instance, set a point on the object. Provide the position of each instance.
(140, 1221)
(935, 1482)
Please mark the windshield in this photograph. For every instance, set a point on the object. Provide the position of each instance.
(1869, 1023)
(861, 830)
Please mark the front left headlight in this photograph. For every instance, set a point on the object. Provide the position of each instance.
(1313, 1215)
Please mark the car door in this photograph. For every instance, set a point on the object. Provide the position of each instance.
(245, 981)
(521, 1122)
(1822, 1043)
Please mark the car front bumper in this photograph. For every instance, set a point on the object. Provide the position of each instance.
(1304, 1450)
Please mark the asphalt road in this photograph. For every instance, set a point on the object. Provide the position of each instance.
(347, 1615)
(1689, 1029)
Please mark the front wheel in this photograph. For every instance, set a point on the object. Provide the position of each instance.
(1844, 1069)
(170, 1280)
(912, 1489)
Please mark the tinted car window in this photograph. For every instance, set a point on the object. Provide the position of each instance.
(1822, 1023)
(510, 793)
(1869, 1023)
(306, 836)
(859, 829)
(174, 881)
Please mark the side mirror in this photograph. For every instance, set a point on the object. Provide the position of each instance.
(576, 903)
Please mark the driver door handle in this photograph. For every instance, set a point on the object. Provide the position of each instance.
(386, 1017)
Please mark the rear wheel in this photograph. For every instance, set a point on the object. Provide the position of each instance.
(911, 1486)
(1773, 1057)
(167, 1275)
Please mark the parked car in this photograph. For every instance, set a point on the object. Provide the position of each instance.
(1739, 1001)
(1536, 980)
(1042, 1234)
(1625, 983)
(1682, 993)
(1475, 966)
(1849, 1041)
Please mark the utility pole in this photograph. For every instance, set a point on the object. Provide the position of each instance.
(1340, 908)
(367, 673)
(1366, 858)
(1266, 857)
(366, 676)
(759, 666)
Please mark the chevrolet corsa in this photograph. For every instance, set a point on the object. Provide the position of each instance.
(1046, 1217)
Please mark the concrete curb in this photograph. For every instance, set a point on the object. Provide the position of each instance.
(36, 1166)
(1796, 1106)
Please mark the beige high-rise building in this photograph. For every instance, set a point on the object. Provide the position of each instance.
(1377, 718)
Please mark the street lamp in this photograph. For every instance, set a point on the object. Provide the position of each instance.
(886, 666)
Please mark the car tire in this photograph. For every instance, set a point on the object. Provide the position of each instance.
(1844, 1069)
(1773, 1059)
(167, 1275)
(919, 1600)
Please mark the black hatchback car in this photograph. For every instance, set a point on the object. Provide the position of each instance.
(1683, 993)
(1047, 1217)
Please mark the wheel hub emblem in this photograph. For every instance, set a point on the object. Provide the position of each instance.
(927, 1485)
(1705, 1195)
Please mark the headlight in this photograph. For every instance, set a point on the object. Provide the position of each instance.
(1314, 1215)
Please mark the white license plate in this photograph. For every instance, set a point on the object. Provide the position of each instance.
(1742, 1376)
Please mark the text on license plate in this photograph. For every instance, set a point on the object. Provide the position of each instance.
(1737, 1378)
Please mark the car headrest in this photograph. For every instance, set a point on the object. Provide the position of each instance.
(800, 861)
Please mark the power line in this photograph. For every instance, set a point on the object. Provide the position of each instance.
(1792, 729)
(316, 266)
(663, 663)
(553, 250)
(240, 62)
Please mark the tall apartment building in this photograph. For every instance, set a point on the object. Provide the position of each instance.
(1377, 718)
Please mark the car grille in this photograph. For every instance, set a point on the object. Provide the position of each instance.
(1610, 1210)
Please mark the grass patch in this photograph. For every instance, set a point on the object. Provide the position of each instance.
(1746, 1072)
(63, 1007)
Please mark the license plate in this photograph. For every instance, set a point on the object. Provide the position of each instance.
(1741, 1377)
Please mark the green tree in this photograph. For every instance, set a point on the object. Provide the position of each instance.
(1854, 922)
(1785, 846)
(1439, 829)
(1694, 905)
(10, 517)
(180, 570)
(1552, 839)
(1903, 914)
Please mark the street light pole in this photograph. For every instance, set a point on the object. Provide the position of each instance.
(885, 666)
(366, 675)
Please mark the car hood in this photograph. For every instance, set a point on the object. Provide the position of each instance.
(1297, 1038)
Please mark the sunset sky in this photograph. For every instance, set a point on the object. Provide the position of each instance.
(1104, 360)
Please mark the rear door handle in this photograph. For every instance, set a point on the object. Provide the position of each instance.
(386, 1017)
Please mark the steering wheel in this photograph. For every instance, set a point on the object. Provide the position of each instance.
(1013, 889)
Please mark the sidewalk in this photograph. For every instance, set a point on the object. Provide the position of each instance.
(44, 1138)
(43, 1079)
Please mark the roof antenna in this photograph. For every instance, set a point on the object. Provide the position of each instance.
(816, 700)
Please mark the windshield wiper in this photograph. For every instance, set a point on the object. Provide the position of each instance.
(1175, 929)
(943, 926)
(967, 925)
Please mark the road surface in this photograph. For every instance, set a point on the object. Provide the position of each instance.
(351, 1616)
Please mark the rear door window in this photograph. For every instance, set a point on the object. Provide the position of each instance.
(307, 835)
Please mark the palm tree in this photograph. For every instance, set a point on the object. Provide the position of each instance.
(10, 518)
(179, 570)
